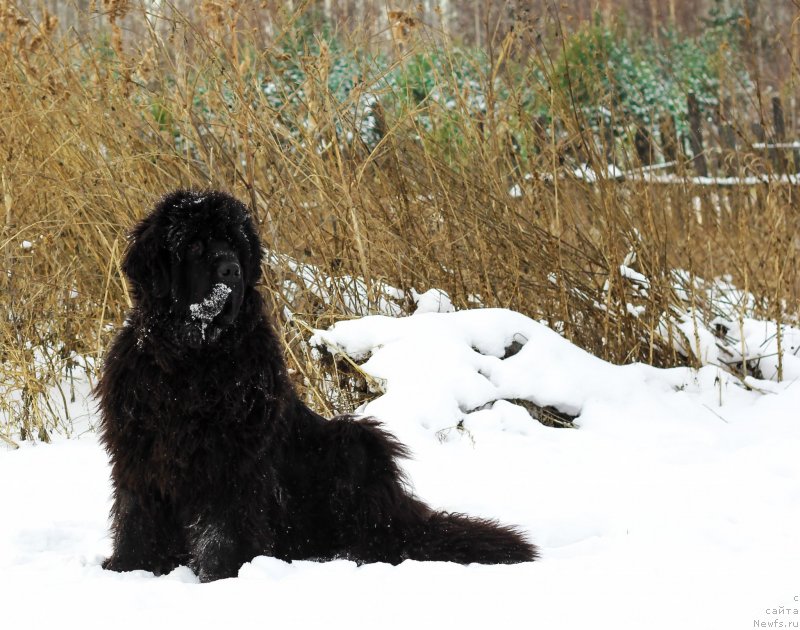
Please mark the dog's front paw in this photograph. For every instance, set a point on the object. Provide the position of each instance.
(121, 564)
(115, 563)
(206, 574)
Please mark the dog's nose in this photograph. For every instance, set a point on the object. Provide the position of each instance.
(228, 270)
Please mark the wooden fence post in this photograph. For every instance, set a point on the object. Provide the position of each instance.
(609, 149)
(696, 136)
(760, 134)
(777, 153)
(644, 146)
(795, 152)
(727, 137)
(669, 139)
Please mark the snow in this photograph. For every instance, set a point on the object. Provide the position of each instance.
(432, 301)
(351, 295)
(587, 173)
(634, 276)
(756, 342)
(675, 502)
(720, 329)
(776, 145)
(749, 180)
(647, 174)
(211, 306)
(702, 343)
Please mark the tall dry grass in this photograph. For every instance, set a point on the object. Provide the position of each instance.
(95, 126)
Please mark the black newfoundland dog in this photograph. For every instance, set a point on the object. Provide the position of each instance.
(215, 459)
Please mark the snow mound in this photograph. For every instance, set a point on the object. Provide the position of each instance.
(717, 326)
(475, 369)
(349, 294)
(432, 301)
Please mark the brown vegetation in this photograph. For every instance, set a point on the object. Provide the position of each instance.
(88, 142)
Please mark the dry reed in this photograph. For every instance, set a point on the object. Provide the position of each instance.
(95, 126)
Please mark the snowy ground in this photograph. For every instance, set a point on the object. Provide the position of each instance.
(674, 504)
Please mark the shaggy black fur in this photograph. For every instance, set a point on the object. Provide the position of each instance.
(214, 458)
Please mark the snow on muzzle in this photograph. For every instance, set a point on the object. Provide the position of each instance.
(203, 313)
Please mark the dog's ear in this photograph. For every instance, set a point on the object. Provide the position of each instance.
(254, 254)
(146, 262)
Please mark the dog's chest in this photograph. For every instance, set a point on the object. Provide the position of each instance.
(202, 432)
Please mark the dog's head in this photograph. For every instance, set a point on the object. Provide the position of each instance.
(193, 259)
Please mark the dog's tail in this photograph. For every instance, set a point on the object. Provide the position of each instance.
(465, 539)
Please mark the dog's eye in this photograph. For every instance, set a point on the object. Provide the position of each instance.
(195, 249)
